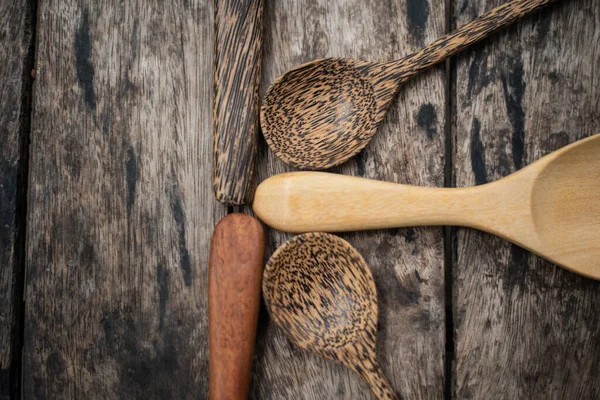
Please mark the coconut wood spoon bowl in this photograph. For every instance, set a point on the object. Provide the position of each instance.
(551, 207)
(320, 291)
(322, 113)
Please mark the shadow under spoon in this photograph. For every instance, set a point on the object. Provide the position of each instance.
(320, 291)
(322, 113)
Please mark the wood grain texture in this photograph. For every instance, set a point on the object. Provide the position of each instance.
(407, 264)
(524, 328)
(238, 56)
(237, 252)
(121, 203)
(15, 42)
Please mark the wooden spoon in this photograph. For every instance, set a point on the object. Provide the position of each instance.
(551, 207)
(320, 291)
(234, 277)
(322, 113)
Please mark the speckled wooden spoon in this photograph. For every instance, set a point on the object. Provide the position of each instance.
(322, 113)
(320, 291)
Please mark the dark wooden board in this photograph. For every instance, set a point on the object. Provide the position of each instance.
(407, 264)
(15, 81)
(121, 203)
(121, 206)
(525, 329)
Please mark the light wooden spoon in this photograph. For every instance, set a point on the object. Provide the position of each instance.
(551, 207)
(322, 113)
(320, 291)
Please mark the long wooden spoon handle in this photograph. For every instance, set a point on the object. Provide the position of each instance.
(238, 42)
(325, 202)
(453, 43)
(234, 282)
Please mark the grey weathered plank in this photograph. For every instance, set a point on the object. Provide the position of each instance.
(121, 203)
(524, 327)
(407, 263)
(15, 59)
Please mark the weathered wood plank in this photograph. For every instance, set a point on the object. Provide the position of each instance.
(15, 81)
(525, 329)
(121, 203)
(407, 263)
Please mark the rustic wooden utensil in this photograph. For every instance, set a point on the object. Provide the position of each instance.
(237, 247)
(235, 273)
(320, 291)
(322, 113)
(238, 43)
(551, 207)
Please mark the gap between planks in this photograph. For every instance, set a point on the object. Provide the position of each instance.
(28, 74)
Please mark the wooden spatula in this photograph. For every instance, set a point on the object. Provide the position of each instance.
(551, 207)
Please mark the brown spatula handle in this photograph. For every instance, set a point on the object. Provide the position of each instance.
(234, 282)
(238, 42)
(463, 37)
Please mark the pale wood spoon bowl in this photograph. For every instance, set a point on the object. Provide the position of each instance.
(551, 207)
(322, 113)
(320, 291)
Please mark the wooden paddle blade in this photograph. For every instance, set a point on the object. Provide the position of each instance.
(234, 284)
(238, 43)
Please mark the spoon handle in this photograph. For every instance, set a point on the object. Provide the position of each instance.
(238, 43)
(453, 43)
(372, 373)
(234, 281)
(325, 202)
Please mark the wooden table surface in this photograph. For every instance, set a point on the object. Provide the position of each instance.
(106, 217)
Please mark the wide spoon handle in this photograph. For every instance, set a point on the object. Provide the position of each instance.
(234, 281)
(325, 202)
(453, 43)
(238, 44)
